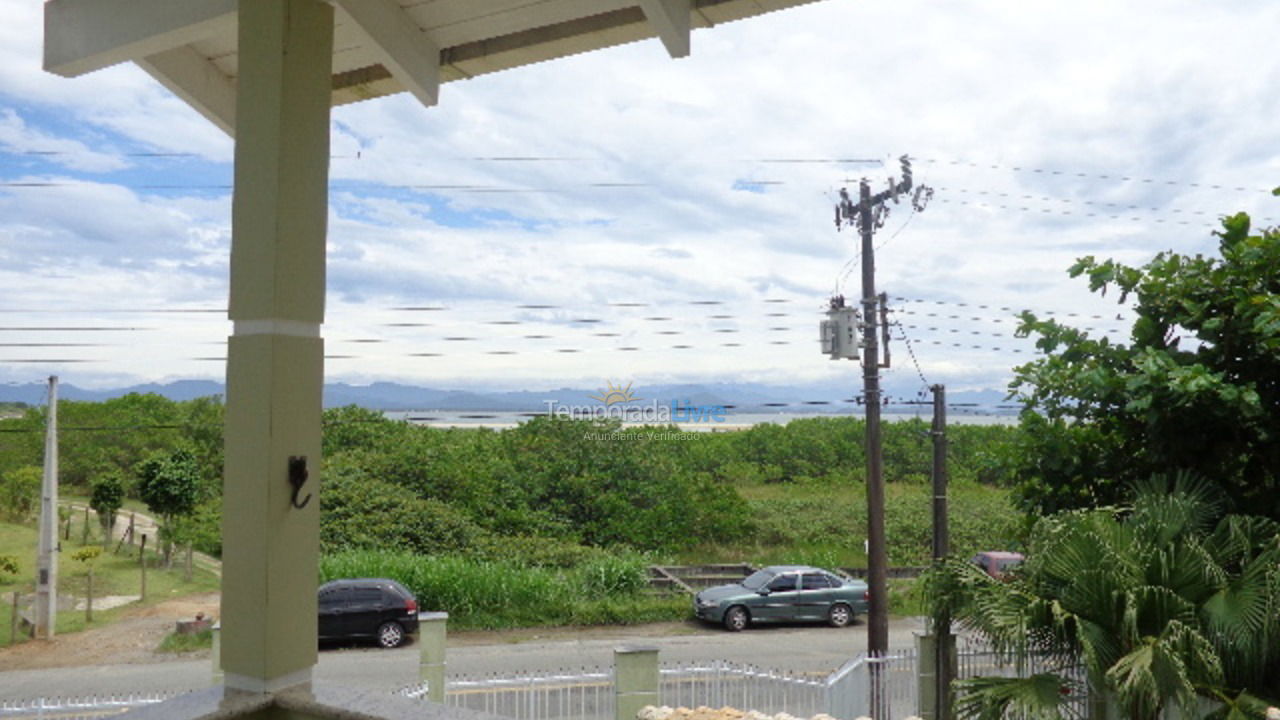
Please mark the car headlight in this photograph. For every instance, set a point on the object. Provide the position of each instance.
(705, 603)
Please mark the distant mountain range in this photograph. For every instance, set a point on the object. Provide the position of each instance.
(813, 397)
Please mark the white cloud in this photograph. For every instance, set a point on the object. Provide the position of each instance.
(1164, 100)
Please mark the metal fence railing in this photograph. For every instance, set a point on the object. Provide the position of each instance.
(849, 690)
(79, 708)
(720, 683)
(585, 694)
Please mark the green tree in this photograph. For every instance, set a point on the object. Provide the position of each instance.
(1196, 387)
(1163, 602)
(20, 493)
(106, 497)
(170, 486)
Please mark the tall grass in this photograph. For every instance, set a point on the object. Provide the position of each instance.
(497, 594)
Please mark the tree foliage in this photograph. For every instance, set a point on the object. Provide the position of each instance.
(1196, 387)
(20, 493)
(1164, 601)
(106, 496)
(169, 483)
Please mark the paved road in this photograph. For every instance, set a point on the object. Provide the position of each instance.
(796, 648)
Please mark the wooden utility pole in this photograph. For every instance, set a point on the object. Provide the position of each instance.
(47, 547)
(943, 641)
(868, 214)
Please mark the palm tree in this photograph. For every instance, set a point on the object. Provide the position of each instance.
(1167, 602)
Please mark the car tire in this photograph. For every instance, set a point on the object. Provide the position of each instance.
(390, 634)
(736, 619)
(840, 615)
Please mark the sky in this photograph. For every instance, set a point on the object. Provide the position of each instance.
(629, 218)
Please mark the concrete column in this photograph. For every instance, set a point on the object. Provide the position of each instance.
(635, 680)
(215, 652)
(431, 640)
(926, 672)
(275, 358)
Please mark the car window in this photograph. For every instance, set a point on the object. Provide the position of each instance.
(757, 579)
(366, 595)
(783, 582)
(334, 596)
(833, 580)
(814, 581)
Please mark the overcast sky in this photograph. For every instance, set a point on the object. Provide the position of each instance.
(1049, 131)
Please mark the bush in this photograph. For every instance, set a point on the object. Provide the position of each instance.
(8, 565)
(20, 493)
(361, 512)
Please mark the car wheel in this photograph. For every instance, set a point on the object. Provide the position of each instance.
(736, 618)
(390, 634)
(840, 615)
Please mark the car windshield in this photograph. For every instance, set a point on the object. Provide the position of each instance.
(757, 579)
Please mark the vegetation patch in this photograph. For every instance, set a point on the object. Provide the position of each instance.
(176, 642)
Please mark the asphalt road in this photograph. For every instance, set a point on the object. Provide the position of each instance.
(814, 649)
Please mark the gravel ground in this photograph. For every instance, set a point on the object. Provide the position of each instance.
(132, 639)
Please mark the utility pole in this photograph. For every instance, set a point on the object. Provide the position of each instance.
(869, 214)
(943, 641)
(47, 550)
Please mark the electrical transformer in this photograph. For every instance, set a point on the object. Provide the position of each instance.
(840, 332)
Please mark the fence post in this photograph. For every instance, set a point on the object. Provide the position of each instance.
(431, 662)
(84, 531)
(215, 652)
(13, 620)
(142, 564)
(88, 598)
(635, 680)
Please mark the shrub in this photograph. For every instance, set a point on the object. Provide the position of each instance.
(361, 512)
(20, 493)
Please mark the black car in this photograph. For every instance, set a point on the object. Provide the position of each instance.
(377, 608)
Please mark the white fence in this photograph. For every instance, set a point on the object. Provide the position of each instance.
(79, 708)
(585, 694)
(720, 683)
(848, 693)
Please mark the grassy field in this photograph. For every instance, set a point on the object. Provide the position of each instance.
(113, 574)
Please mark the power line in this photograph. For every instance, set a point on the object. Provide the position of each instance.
(1056, 172)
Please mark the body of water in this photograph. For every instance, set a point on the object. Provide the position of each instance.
(498, 419)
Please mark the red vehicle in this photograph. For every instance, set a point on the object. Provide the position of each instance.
(997, 563)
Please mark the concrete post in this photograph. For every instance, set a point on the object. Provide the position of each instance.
(635, 680)
(926, 672)
(215, 652)
(431, 664)
(46, 609)
(275, 357)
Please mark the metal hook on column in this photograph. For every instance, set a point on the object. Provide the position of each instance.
(297, 478)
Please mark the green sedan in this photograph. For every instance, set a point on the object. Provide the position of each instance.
(783, 593)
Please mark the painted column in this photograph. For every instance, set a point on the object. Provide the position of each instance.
(275, 358)
(431, 663)
(635, 680)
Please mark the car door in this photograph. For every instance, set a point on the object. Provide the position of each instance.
(813, 600)
(778, 603)
(366, 610)
(333, 604)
